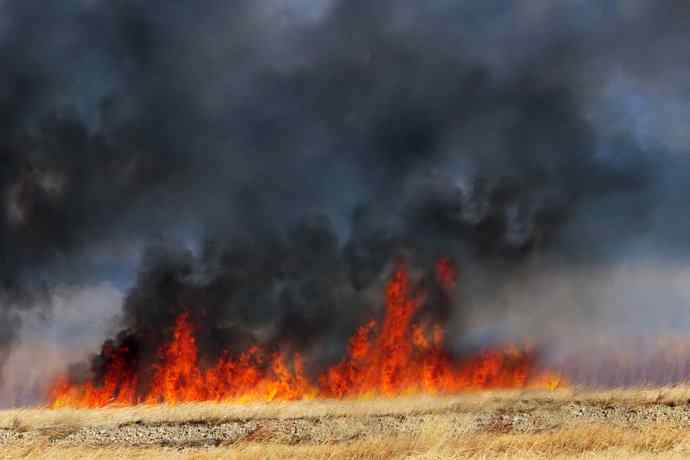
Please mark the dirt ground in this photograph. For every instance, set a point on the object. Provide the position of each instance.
(568, 424)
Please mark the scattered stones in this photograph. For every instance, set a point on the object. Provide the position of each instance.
(455, 423)
(184, 434)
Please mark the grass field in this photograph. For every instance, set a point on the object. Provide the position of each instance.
(565, 424)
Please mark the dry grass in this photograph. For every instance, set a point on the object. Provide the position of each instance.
(580, 442)
(204, 412)
(458, 427)
(214, 412)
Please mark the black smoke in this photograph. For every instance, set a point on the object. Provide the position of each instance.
(303, 146)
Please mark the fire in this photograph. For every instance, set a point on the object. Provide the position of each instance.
(396, 356)
(405, 357)
(118, 387)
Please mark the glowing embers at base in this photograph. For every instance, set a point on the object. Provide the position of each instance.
(396, 356)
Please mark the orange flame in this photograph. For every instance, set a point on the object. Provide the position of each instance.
(395, 357)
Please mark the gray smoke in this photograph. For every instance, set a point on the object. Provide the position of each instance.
(304, 145)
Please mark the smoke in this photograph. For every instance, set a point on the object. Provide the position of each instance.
(75, 324)
(298, 147)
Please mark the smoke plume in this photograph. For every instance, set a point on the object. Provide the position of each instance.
(273, 157)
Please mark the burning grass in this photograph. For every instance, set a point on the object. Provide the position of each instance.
(402, 354)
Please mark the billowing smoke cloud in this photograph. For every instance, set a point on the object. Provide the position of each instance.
(301, 146)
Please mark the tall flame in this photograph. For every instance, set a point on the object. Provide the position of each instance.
(393, 357)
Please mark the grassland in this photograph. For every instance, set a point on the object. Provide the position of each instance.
(565, 424)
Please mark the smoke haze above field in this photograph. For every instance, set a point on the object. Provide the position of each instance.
(271, 157)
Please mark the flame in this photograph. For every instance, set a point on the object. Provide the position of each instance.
(118, 387)
(406, 357)
(396, 356)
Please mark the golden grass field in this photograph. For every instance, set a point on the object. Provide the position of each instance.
(564, 424)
